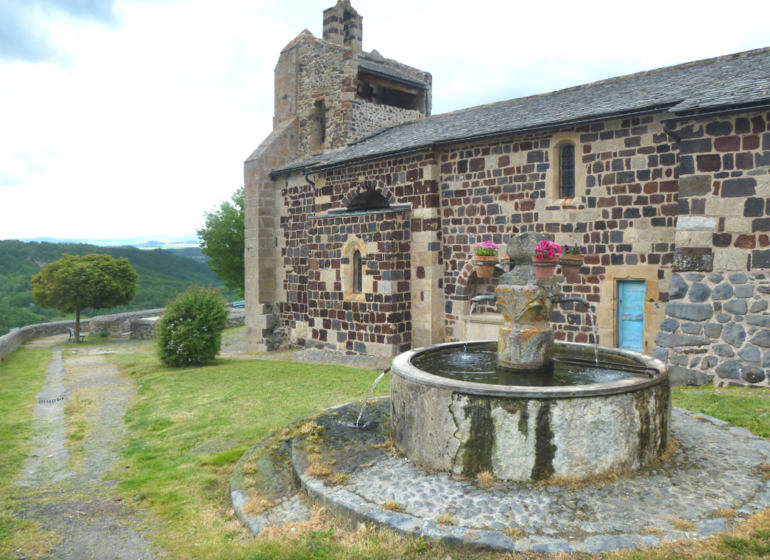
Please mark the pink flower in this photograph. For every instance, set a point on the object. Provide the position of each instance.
(551, 254)
(540, 256)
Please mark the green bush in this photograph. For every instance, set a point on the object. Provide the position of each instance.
(190, 332)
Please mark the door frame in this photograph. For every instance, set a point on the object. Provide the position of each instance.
(607, 310)
(618, 283)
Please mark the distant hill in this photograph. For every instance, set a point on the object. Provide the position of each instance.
(132, 241)
(162, 275)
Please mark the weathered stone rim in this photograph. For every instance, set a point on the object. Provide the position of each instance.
(403, 367)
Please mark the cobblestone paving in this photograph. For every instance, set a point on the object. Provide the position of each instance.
(716, 467)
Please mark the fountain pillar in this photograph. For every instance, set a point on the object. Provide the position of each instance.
(526, 339)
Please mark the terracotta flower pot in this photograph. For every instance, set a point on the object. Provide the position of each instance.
(485, 265)
(571, 264)
(545, 268)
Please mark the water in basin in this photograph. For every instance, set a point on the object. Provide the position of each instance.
(479, 365)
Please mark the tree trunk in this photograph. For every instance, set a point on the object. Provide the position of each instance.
(77, 326)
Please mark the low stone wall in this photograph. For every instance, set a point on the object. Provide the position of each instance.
(138, 323)
(119, 323)
(717, 329)
(13, 340)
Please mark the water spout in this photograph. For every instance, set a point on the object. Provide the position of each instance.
(368, 425)
(573, 299)
(485, 297)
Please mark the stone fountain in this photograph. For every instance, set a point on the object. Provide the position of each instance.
(535, 410)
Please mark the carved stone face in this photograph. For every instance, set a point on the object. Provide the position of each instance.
(524, 305)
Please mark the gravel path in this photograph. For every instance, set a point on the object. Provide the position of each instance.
(66, 493)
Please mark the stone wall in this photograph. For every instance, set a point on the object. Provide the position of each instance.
(137, 323)
(378, 320)
(120, 323)
(409, 243)
(716, 326)
(624, 212)
(716, 329)
(367, 118)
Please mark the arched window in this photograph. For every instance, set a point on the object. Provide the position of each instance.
(567, 171)
(358, 273)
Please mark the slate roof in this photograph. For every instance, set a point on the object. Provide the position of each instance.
(378, 68)
(737, 79)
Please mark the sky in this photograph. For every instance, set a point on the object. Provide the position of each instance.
(123, 118)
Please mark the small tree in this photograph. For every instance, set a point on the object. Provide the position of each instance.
(224, 241)
(74, 283)
(190, 331)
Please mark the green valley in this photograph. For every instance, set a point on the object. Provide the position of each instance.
(162, 275)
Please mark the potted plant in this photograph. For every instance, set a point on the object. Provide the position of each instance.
(485, 259)
(545, 259)
(572, 258)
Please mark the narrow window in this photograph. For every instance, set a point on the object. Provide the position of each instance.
(318, 118)
(567, 171)
(358, 273)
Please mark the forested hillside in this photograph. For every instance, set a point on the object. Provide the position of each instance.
(162, 275)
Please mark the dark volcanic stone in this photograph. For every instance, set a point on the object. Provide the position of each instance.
(744, 186)
(677, 288)
(734, 335)
(715, 278)
(745, 291)
(731, 369)
(752, 374)
(758, 320)
(696, 185)
(738, 279)
(709, 362)
(750, 353)
(724, 318)
(723, 350)
(758, 306)
(691, 328)
(760, 259)
(669, 325)
(685, 376)
(723, 291)
(699, 292)
(668, 340)
(689, 311)
(762, 339)
(736, 307)
(713, 330)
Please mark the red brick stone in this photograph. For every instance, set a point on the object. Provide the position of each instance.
(745, 242)
(727, 144)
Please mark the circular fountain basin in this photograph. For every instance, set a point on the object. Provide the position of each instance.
(522, 427)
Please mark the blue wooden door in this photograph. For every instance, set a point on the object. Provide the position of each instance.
(631, 315)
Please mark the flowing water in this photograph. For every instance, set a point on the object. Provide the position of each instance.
(368, 396)
(467, 326)
(596, 338)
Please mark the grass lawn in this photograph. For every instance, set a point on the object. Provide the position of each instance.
(22, 376)
(187, 428)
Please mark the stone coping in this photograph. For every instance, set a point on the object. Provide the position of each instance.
(402, 366)
(716, 467)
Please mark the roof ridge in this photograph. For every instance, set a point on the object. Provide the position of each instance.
(655, 71)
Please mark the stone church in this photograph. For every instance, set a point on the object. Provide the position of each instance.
(362, 208)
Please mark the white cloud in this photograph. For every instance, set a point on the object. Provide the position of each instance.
(148, 122)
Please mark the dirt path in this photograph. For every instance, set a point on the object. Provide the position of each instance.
(78, 432)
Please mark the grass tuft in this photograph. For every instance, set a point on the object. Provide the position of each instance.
(683, 525)
(446, 519)
(487, 480)
(726, 513)
(395, 507)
